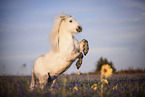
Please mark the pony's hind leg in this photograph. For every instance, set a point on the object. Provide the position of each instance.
(79, 62)
(43, 81)
(51, 87)
(51, 81)
(32, 85)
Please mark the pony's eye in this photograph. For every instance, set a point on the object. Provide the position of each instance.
(70, 21)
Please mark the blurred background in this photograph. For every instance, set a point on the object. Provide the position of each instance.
(115, 30)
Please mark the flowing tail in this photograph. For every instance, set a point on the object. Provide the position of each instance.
(32, 85)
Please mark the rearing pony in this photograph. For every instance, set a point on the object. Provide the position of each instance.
(65, 50)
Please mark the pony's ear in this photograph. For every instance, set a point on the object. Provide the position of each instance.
(63, 17)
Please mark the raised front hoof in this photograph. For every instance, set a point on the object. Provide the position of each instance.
(86, 49)
(78, 64)
(85, 52)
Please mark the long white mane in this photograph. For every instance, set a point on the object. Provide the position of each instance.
(54, 35)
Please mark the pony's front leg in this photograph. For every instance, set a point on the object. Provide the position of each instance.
(79, 62)
(83, 48)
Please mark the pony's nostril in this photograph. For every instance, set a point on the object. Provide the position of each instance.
(79, 29)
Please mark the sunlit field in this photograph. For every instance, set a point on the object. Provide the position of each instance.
(130, 85)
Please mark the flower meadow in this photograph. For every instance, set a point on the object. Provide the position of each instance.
(125, 85)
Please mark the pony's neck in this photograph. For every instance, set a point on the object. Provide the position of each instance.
(65, 41)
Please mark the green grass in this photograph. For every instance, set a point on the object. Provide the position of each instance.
(132, 85)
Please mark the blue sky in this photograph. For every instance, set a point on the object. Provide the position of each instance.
(115, 30)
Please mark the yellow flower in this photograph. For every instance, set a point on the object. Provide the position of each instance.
(75, 88)
(78, 73)
(106, 70)
(105, 80)
(94, 87)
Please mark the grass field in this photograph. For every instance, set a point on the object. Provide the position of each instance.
(131, 85)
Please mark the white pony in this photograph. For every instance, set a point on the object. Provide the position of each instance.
(65, 50)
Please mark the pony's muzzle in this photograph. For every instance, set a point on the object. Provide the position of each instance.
(79, 29)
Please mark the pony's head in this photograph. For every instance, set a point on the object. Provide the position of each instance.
(66, 23)
(70, 24)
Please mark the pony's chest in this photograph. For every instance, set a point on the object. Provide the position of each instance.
(73, 47)
(76, 46)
